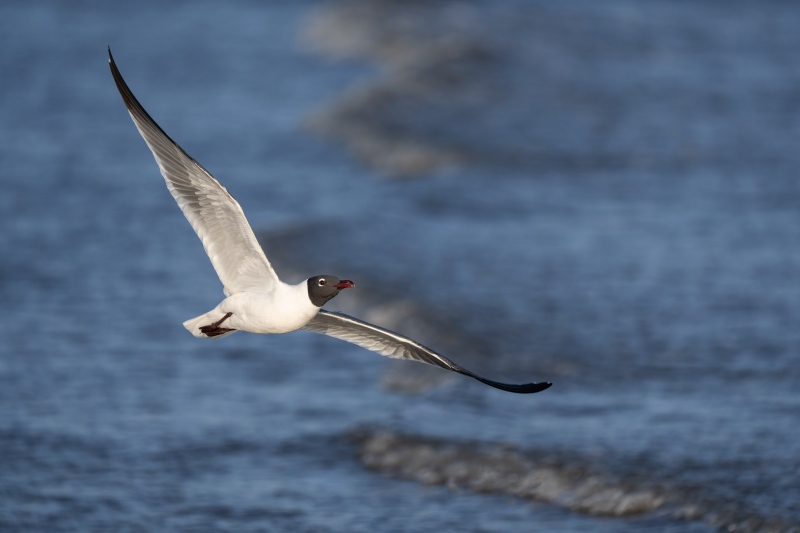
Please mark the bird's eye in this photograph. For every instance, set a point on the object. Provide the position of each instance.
(321, 282)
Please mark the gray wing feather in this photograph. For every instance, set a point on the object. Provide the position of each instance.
(214, 214)
(391, 344)
(375, 338)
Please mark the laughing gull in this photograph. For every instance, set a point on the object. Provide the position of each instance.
(256, 299)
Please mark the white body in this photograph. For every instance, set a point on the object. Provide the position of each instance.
(283, 309)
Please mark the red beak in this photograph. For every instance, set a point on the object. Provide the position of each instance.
(345, 284)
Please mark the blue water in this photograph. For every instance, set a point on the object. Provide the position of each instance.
(602, 196)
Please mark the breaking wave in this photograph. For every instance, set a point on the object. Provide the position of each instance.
(575, 483)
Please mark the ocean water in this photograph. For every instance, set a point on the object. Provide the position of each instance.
(602, 195)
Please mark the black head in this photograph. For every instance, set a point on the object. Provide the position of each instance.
(323, 288)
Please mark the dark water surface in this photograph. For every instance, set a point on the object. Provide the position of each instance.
(603, 195)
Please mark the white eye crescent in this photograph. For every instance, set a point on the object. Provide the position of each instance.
(321, 282)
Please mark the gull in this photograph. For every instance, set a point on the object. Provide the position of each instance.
(256, 300)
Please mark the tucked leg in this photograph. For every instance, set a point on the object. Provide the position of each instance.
(214, 329)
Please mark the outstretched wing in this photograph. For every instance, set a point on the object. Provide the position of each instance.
(391, 344)
(213, 213)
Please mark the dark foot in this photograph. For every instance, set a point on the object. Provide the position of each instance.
(213, 329)
(216, 331)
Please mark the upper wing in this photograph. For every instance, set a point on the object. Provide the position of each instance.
(391, 344)
(213, 213)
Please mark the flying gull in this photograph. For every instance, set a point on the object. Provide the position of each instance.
(256, 299)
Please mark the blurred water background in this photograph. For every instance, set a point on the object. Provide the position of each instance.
(605, 195)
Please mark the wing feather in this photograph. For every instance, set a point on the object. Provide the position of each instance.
(214, 214)
(391, 344)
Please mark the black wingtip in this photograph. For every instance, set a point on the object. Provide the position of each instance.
(111, 63)
(527, 388)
